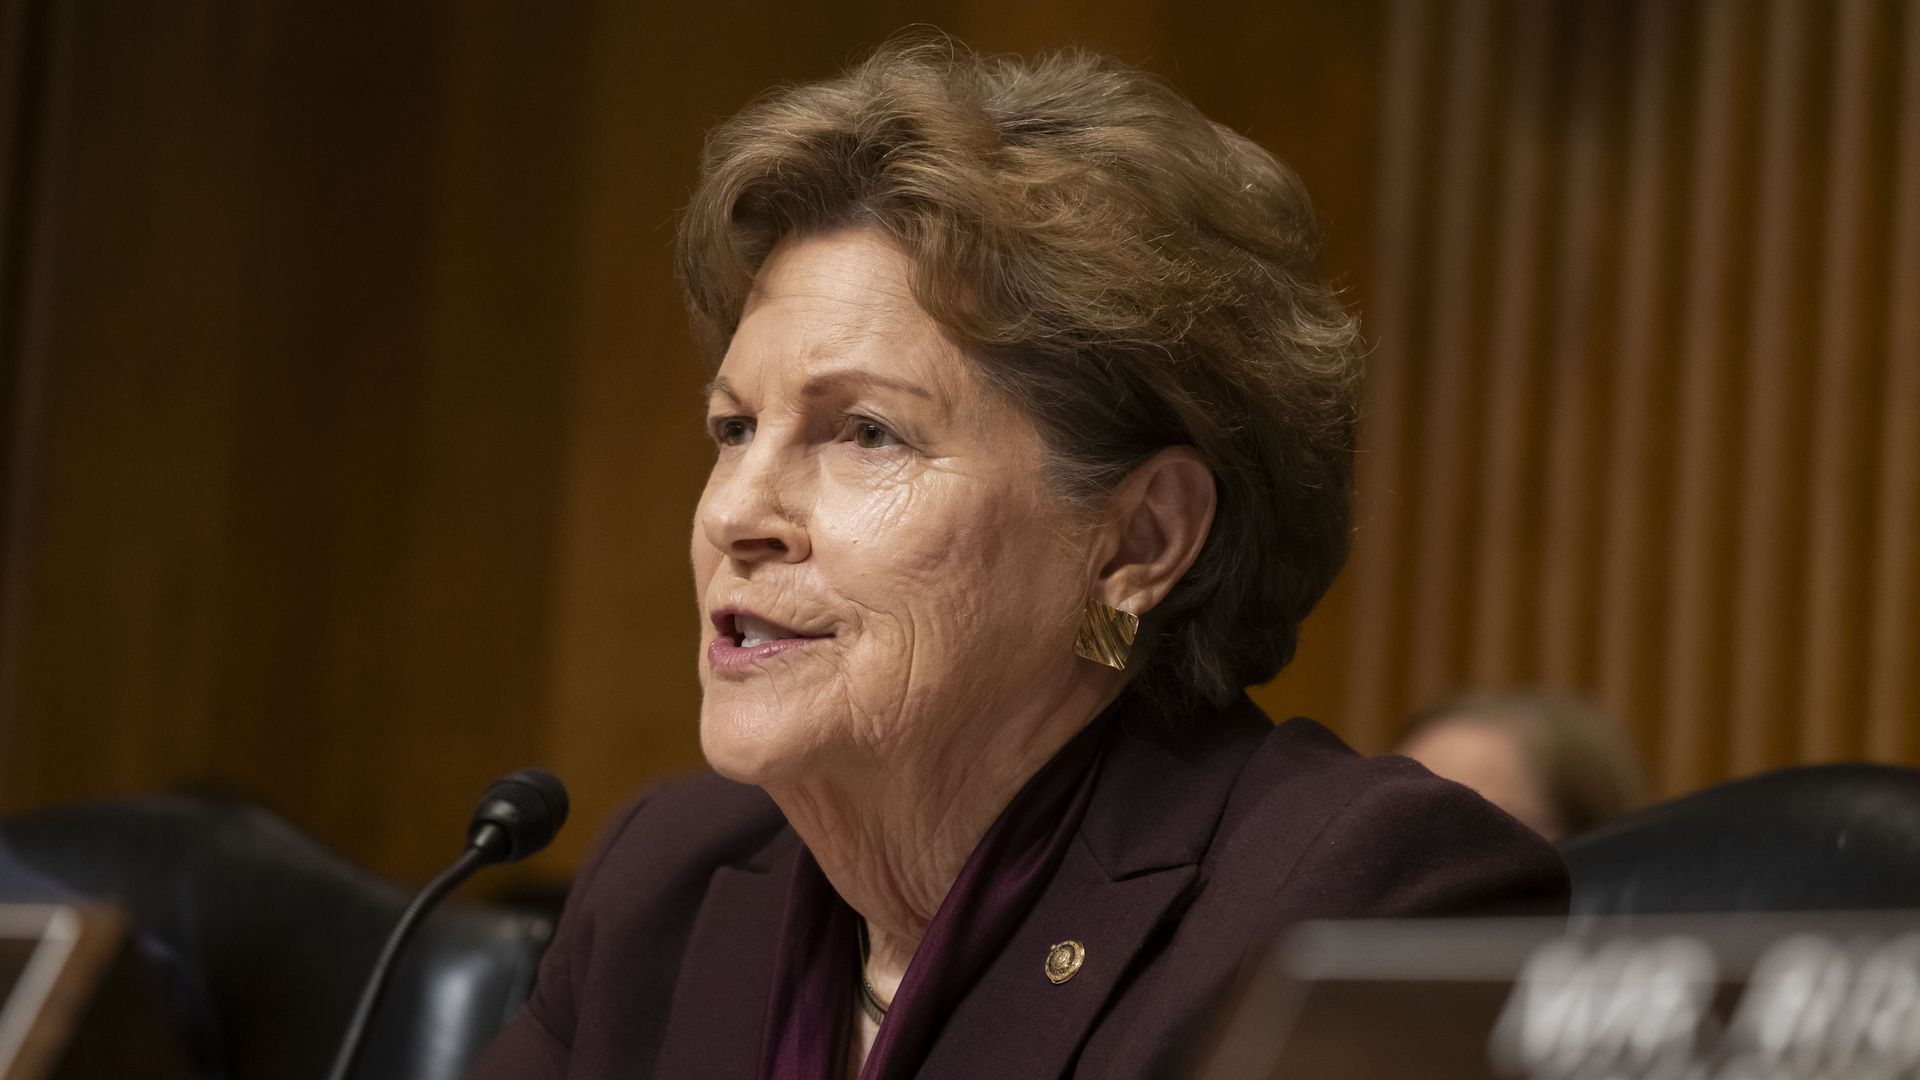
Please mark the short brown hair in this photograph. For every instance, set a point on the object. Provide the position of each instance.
(1132, 274)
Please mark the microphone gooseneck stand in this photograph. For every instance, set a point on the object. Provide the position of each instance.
(470, 860)
(517, 816)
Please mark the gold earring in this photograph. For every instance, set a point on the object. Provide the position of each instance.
(1106, 634)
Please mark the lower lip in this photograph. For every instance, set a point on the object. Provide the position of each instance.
(724, 655)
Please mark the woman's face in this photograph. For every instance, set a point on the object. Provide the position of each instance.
(882, 572)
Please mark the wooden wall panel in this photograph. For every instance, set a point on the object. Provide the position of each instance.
(1501, 638)
(1893, 710)
(1840, 431)
(290, 446)
(1579, 335)
(22, 117)
(1381, 522)
(1763, 672)
(1706, 456)
(1710, 256)
(1637, 478)
(1444, 491)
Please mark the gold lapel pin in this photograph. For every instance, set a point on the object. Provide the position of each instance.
(1064, 959)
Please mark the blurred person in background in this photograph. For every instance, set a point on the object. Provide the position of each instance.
(1033, 425)
(1560, 764)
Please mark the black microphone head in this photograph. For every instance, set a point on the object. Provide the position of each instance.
(518, 815)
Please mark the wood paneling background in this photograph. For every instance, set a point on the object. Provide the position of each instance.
(1645, 405)
(353, 432)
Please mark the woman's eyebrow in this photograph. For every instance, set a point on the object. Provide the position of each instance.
(827, 384)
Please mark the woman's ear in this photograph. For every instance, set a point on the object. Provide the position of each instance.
(1162, 515)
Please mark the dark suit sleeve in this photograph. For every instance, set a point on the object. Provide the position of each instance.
(538, 1043)
(1415, 845)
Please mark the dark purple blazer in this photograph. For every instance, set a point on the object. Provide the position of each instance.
(1199, 845)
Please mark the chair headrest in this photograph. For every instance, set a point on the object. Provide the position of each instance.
(1812, 838)
(282, 932)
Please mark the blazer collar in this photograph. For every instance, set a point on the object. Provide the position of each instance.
(1156, 805)
(720, 994)
(1164, 786)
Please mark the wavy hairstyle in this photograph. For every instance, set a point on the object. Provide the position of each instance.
(1130, 273)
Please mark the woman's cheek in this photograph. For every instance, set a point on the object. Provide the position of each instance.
(877, 541)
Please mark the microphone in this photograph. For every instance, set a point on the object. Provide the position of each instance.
(518, 815)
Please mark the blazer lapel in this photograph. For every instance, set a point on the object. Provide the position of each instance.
(1017, 1022)
(1123, 878)
(726, 971)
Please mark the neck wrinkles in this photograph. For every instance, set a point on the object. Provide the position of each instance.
(892, 836)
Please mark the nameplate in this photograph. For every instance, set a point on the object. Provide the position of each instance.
(1751, 997)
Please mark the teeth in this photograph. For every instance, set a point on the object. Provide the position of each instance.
(754, 632)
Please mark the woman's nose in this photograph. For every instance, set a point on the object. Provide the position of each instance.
(753, 514)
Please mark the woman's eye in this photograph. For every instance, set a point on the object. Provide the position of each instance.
(868, 435)
(733, 431)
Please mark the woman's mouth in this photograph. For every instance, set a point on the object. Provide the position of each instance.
(745, 639)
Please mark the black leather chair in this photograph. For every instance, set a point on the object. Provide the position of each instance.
(280, 934)
(1814, 838)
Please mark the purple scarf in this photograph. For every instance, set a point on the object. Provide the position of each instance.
(810, 1011)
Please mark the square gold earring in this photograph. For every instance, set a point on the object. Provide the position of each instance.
(1106, 634)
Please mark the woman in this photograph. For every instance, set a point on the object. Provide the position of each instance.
(1033, 431)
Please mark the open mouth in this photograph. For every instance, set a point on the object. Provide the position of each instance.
(747, 631)
(744, 640)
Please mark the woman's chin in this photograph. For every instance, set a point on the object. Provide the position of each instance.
(748, 747)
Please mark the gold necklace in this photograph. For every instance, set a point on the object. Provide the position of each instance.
(870, 1002)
